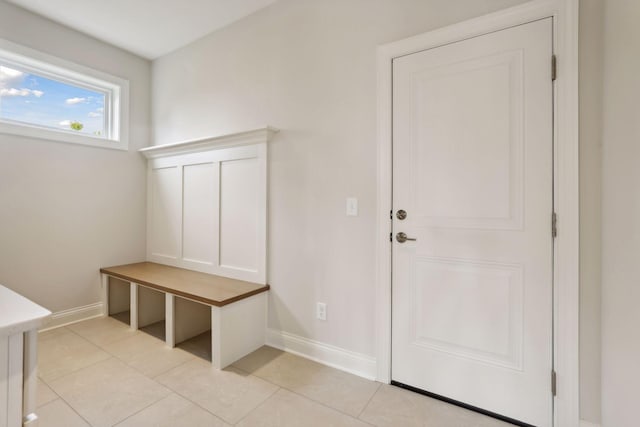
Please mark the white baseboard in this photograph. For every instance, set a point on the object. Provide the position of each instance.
(584, 423)
(73, 315)
(336, 357)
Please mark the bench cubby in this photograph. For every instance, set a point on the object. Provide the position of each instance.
(190, 319)
(119, 299)
(150, 311)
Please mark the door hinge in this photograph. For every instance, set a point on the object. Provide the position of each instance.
(391, 214)
(554, 384)
(554, 225)
(554, 68)
(391, 237)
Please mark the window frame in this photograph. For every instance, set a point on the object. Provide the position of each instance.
(115, 89)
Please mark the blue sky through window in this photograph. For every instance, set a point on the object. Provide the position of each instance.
(33, 99)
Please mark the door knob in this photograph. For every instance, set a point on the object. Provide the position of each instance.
(401, 214)
(402, 237)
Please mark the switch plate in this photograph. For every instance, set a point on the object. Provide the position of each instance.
(321, 311)
(352, 206)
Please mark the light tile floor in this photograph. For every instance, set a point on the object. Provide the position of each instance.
(101, 373)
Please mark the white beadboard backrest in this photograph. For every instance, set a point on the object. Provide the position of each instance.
(207, 205)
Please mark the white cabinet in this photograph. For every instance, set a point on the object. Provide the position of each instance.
(19, 321)
(207, 205)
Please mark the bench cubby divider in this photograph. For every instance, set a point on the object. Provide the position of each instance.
(134, 306)
(169, 316)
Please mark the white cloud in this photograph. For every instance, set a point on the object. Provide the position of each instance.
(94, 114)
(65, 123)
(14, 92)
(9, 76)
(73, 101)
(20, 92)
(100, 110)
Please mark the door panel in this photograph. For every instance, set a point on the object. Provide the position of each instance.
(482, 191)
(491, 331)
(473, 169)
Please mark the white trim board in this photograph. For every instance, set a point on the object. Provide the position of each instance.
(584, 423)
(73, 315)
(566, 183)
(326, 354)
(255, 136)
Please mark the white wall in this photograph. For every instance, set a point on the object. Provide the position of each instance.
(621, 216)
(66, 210)
(308, 67)
(591, 70)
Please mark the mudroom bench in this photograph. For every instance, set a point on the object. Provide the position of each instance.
(190, 303)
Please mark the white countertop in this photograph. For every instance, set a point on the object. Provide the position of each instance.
(18, 314)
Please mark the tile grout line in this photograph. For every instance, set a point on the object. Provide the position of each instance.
(197, 404)
(135, 332)
(314, 400)
(278, 388)
(325, 405)
(146, 375)
(142, 409)
(51, 388)
(68, 404)
(76, 370)
(369, 401)
(166, 371)
(106, 350)
(62, 398)
(216, 415)
(93, 364)
(111, 356)
(115, 356)
(96, 345)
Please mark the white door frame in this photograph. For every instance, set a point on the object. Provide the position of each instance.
(566, 185)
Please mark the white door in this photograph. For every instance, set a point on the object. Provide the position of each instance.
(473, 170)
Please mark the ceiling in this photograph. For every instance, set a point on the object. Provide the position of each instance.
(149, 28)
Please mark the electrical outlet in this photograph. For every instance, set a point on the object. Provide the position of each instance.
(321, 311)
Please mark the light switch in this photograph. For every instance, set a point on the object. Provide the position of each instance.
(352, 206)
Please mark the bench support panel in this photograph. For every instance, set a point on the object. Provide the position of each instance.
(169, 317)
(105, 294)
(134, 306)
(238, 329)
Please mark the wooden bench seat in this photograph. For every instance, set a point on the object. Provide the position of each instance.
(202, 287)
(238, 308)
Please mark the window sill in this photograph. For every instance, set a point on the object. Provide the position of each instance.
(62, 136)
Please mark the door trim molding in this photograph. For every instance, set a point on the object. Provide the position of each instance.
(566, 184)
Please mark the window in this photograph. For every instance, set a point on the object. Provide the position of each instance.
(45, 97)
